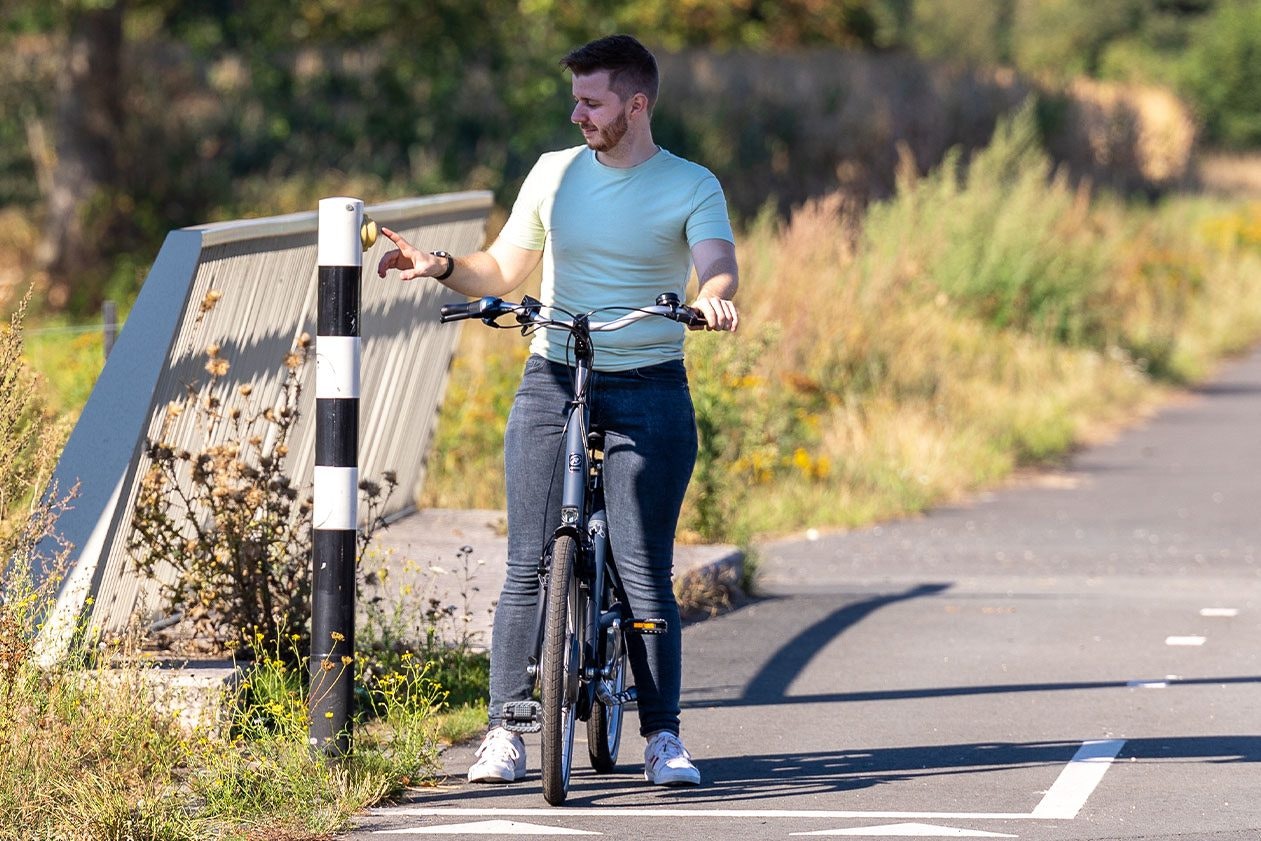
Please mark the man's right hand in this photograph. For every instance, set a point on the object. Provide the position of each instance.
(410, 261)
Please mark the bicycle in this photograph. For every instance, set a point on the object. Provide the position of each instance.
(580, 662)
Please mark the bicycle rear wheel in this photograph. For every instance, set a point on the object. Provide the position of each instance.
(559, 671)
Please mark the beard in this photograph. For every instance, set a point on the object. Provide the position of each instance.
(611, 135)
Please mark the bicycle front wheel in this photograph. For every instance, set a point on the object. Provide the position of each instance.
(559, 671)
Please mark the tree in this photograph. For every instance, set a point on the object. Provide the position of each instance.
(88, 121)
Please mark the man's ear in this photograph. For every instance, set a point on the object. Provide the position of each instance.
(639, 103)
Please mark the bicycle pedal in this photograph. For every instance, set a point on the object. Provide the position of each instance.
(645, 626)
(523, 717)
(605, 695)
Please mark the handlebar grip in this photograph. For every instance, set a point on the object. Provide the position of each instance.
(456, 312)
(691, 317)
(473, 309)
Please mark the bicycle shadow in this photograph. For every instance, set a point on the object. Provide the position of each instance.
(747, 780)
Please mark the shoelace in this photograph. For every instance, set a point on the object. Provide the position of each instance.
(499, 747)
(668, 747)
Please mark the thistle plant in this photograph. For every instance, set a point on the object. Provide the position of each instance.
(229, 518)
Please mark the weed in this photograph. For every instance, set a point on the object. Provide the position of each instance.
(228, 518)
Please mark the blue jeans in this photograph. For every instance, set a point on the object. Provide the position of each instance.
(650, 449)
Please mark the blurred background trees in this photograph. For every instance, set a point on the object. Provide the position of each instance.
(123, 119)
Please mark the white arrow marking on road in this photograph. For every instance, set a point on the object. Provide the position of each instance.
(920, 830)
(1220, 611)
(485, 828)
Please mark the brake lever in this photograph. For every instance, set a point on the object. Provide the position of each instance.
(527, 312)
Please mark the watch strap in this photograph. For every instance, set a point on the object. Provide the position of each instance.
(446, 273)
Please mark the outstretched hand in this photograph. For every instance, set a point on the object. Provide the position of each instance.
(410, 261)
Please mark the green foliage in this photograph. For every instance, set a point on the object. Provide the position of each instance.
(465, 469)
(973, 31)
(68, 359)
(995, 242)
(1069, 37)
(404, 625)
(739, 429)
(1223, 73)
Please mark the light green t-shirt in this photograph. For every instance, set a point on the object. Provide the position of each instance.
(616, 238)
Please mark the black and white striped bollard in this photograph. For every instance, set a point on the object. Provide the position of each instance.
(335, 513)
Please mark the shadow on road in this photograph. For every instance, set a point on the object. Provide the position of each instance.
(769, 684)
(734, 780)
(947, 692)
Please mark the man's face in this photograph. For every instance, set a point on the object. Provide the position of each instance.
(598, 111)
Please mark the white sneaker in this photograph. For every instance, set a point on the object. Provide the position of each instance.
(500, 759)
(667, 762)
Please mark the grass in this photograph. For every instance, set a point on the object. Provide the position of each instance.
(90, 749)
(69, 358)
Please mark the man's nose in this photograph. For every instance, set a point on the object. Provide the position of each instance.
(579, 114)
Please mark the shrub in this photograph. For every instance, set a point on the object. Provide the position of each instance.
(229, 519)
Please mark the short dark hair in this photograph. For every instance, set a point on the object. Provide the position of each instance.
(632, 67)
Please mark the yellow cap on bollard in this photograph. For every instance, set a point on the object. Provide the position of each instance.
(368, 232)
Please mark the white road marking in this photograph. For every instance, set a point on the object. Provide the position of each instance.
(486, 828)
(1190, 640)
(1062, 801)
(1147, 684)
(1220, 611)
(1075, 784)
(920, 830)
(630, 812)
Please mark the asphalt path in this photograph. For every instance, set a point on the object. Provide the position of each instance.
(1078, 657)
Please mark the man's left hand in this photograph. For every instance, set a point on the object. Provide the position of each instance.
(720, 313)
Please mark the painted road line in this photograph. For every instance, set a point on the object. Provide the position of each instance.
(1220, 611)
(1065, 798)
(486, 828)
(908, 830)
(632, 812)
(1189, 640)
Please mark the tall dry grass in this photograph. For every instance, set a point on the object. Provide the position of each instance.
(982, 319)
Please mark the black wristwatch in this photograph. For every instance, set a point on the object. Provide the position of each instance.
(450, 265)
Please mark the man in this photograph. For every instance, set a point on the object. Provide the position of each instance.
(616, 222)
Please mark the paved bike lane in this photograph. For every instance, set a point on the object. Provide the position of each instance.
(1077, 658)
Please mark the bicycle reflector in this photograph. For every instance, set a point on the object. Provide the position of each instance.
(645, 626)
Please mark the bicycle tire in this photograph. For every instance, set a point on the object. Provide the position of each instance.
(558, 677)
(604, 727)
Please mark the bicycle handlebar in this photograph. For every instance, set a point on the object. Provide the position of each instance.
(528, 314)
